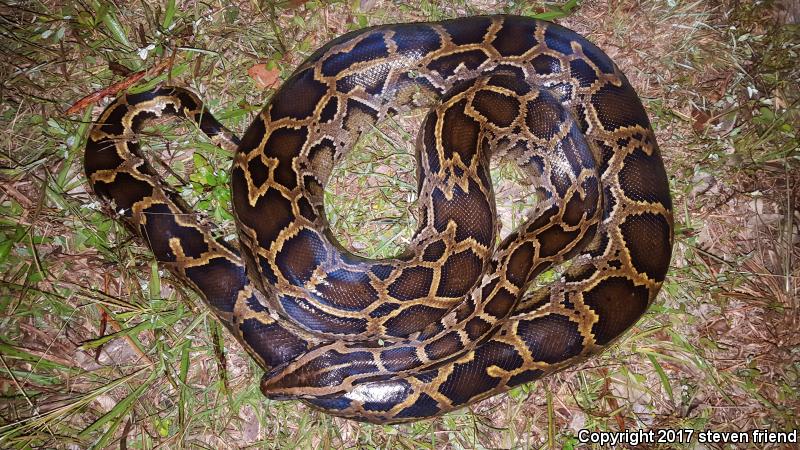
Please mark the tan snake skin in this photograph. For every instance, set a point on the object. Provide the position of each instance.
(454, 318)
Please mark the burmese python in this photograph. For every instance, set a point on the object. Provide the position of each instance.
(453, 319)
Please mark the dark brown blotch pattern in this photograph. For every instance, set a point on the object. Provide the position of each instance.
(618, 107)
(268, 228)
(516, 37)
(551, 338)
(220, 281)
(499, 109)
(400, 326)
(300, 256)
(447, 345)
(644, 179)
(469, 30)
(271, 342)
(618, 303)
(126, 190)
(520, 263)
(460, 272)
(446, 65)
(555, 239)
(501, 303)
(284, 144)
(348, 290)
(544, 116)
(470, 211)
(298, 97)
(413, 283)
(470, 379)
(399, 359)
(315, 319)
(160, 227)
(648, 240)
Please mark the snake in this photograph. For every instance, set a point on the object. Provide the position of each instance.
(461, 314)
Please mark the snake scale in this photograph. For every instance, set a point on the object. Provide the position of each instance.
(456, 317)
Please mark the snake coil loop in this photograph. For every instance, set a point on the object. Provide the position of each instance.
(453, 319)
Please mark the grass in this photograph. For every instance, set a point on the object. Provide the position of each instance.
(99, 348)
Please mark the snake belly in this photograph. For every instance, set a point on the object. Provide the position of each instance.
(454, 318)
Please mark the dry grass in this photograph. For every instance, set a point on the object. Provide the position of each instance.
(720, 350)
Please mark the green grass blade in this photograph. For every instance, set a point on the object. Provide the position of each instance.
(40, 361)
(154, 287)
(120, 408)
(661, 375)
(184, 371)
(169, 14)
(116, 29)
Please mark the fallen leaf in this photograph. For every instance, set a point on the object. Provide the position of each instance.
(701, 119)
(264, 77)
(366, 5)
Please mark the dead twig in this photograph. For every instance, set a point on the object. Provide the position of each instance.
(115, 88)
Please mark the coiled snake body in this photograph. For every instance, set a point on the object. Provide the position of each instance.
(454, 318)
